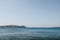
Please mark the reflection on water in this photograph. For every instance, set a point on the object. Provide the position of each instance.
(29, 34)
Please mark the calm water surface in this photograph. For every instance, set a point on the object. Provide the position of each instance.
(29, 34)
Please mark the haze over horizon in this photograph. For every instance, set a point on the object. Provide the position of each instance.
(32, 13)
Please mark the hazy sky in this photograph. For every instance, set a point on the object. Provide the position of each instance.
(34, 13)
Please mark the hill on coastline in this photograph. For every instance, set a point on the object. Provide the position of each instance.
(13, 26)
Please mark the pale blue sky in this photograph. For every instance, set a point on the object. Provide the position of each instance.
(33, 13)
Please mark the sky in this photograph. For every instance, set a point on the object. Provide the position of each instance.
(31, 13)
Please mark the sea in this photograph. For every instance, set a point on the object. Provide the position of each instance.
(29, 34)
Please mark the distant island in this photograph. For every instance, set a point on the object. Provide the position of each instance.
(13, 26)
(17, 26)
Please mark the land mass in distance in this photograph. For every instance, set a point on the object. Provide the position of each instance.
(12, 26)
(17, 26)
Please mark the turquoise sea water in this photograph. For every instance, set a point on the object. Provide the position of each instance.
(29, 34)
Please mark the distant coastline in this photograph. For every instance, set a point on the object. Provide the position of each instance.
(13, 26)
(17, 26)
